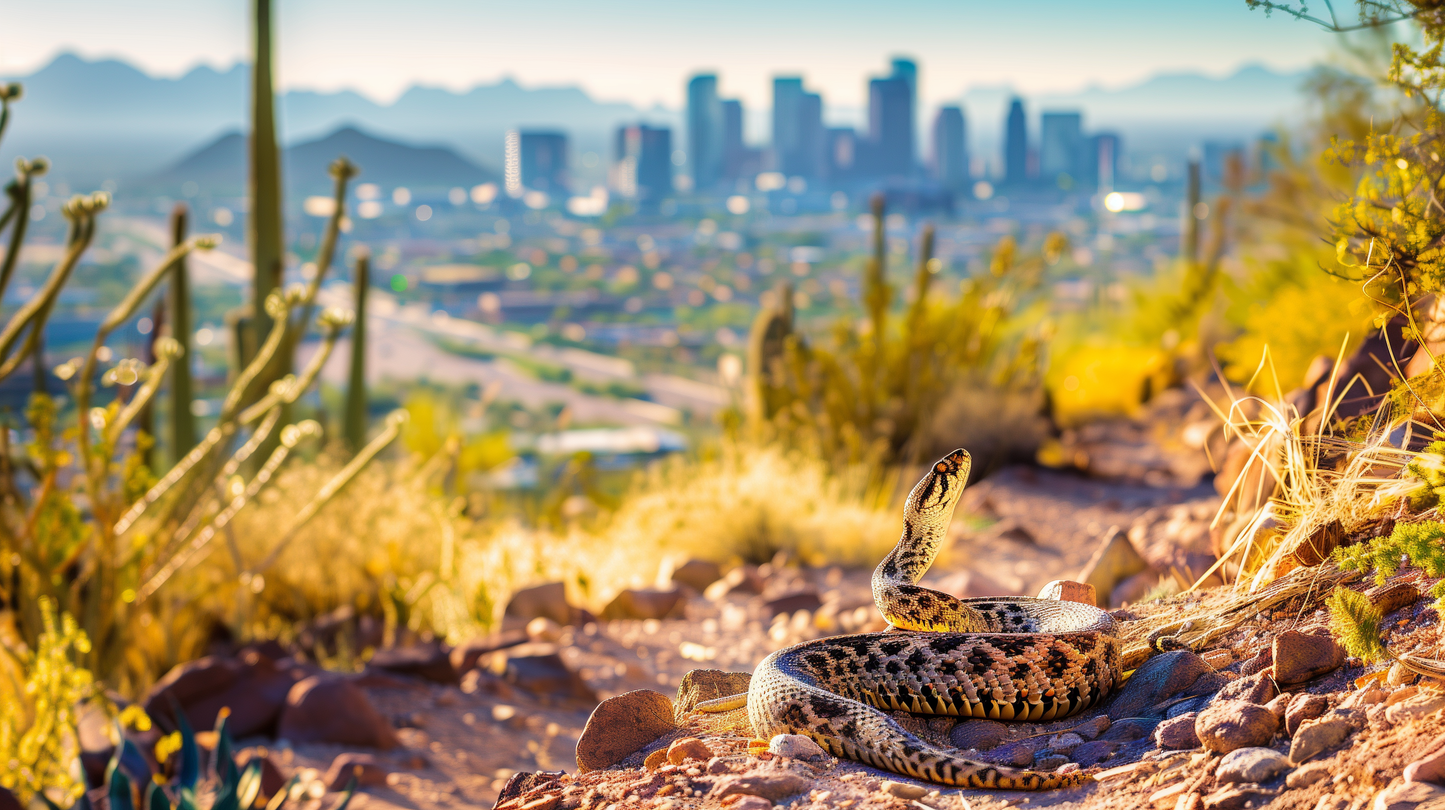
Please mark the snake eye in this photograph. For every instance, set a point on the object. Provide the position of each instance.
(941, 467)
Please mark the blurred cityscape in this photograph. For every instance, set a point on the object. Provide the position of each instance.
(596, 293)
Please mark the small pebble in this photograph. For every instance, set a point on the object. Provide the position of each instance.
(1252, 765)
(796, 746)
(903, 790)
(688, 748)
(1064, 743)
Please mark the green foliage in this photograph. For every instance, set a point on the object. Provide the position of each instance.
(355, 414)
(1420, 544)
(1356, 624)
(40, 691)
(182, 389)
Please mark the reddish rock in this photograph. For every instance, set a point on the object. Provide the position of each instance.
(548, 600)
(642, 604)
(272, 780)
(792, 603)
(968, 584)
(621, 726)
(688, 748)
(428, 662)
(254, 689)
(1431, 767)
(464, 656)
(1092, 753)
(1178, 732)
(1298, 657)
(697, 574)
(1257, 689)
(333, 710)
(1228, 725)
(362, 767)
(1067, 590)
(538, 668)
(702, 685)
(1303, 707)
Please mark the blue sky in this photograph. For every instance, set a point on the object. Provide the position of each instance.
(643, 50)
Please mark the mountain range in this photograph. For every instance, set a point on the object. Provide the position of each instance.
(105, 119)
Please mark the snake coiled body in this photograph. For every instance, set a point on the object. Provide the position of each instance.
(1013, 658)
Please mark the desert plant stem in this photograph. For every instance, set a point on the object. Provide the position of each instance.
(355, 414)
(183, 422)
(82, 228)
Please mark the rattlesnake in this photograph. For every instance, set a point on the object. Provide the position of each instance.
(1009, 658)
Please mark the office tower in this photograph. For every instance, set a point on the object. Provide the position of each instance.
(733, 147)
(950, 149)
(1016, 145)
(890, 126)
(797, 128)
(543, 161)
(705, 133)
(644, 163)
(1101, 165)
(843, 154)
(907, 70)
(1061, 148)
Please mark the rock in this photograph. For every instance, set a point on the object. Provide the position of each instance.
(464, 656)
(1219, 659)
(688, 748)
(1065, 743)
(771, 785)
(1091, 729)
(1229, 725)
(743, 579)
(621, 726)
(1067, 590)
(254, 688)
(1410, 796)
(1238, 797)
(1431, 767)
(1134, 588)
(538, 668)
(903, 790)
(751, 803)
(1177, 733)
(543, 629)
(1114, 561)
(1298, 657)
(979, 734)
(520, 783)
(796, 746)
(1257, 689)
(715, 766)
(363, 767)
(640, 604)
(1252, 765)
(1018, 754)
(1158, 679)
(431, 663)
(1051, 762)
(1129, 730)
(697, 574)
(272, 779)
(702, 685)
(1303, 707)
(1259, 663)
(547, 600)
(1417, 707)
(1389, 598)
(1308, 775)
(1183, 707)
(1278, 705)
(792, 603)
(1092, 753)
(1324, 734)
(968, 584)
(333, 710)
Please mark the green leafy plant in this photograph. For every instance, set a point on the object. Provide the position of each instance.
(1356, 624)
(1419, 544)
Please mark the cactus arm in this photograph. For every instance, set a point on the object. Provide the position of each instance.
(182, 390)
(355, 416)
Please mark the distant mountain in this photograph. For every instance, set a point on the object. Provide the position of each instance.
(220, 166)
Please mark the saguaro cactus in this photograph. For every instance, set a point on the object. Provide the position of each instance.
(267, 243)
(355, 415)
(182, 391)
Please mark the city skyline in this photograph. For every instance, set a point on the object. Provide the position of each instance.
(627, 54)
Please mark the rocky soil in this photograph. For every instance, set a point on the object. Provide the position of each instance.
(560, 709)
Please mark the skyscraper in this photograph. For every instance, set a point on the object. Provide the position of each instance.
(1016, 145)
(950, 149)
(705, 135)
(1061, 149)
(1101, 161)
(644, 163)
(544, 161)
(906, 69)
(797, 128)
(890, 125)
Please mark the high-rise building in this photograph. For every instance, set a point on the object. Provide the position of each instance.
(544, 161)
(1101, 161)
(797, 128)
(1061, 149)
(890, 126)
(844, 154)
(950, 149)
(906, 69)
(644, 163)
(1016, 145)
(732, 138)
(705, 132)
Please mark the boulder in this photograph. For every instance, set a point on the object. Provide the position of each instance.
(1067, 590)
(621, 726)
(642, 604)
(1229, 725)
(1177, 732)
(538, 668)
(1324, 734)
(254, 688)
(1114, 561)
(362, 767)
(1298, 657)
(548, 600)
(1252, 765)
(792, 603)
(333, 710)
(697, 574)
(1162, 677)
(1258, 689)
(702, 685)
(1303, 707)
(464, 656)
(430, 662)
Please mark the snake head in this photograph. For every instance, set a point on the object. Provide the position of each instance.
(956, 463)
